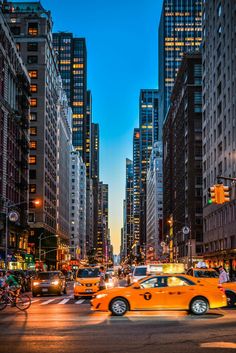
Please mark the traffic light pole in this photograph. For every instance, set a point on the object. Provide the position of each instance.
(226, 178)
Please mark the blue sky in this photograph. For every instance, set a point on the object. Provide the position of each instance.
(121, 37)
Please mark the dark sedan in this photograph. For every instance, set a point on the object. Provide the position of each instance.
(50, 282)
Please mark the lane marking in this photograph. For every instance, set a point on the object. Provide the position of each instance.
(48, 301)
(34, 301)
(80, 301)
(64, 301)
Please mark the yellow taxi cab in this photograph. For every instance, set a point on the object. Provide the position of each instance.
(212, 276)
(86, 281)
(162, 292)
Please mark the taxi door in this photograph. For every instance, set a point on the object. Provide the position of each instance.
(150, 296)
(179, 292)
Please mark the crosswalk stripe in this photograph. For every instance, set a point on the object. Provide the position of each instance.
(64, 301)
(48, 301)
(34, 301)
(80, 301)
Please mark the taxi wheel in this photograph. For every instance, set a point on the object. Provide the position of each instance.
(199, 306)
(119, 306)
(76, 297)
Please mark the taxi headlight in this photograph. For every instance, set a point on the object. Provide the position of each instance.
(135, 280)
(77, 284)
(99, 296)
(55, 283)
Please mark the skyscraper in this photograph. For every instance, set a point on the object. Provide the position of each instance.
(154, 203)
(128, 229)
(136, 185)
(219, 128)
(179, 32)
(72, 63)
(14, 146)
(148, 119)
(31, 25)
(102, 233)
(182, 162)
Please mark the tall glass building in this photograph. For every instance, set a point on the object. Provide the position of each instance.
(148, 119)
(180, 31)
(72, 62)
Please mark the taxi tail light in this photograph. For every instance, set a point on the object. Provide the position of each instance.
(221, 288)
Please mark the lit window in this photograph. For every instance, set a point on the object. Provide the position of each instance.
(33, 88)
(32, 159)
(78, 66)
(33, 116)
(33, 102)
(33, 145)
(32, 188)
(78, 104)
(33, 131)
(33, 29)
(33, 73)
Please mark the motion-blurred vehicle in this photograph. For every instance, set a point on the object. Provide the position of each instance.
(211, 275)
(162, 292)
(86, 281)
(49, 282)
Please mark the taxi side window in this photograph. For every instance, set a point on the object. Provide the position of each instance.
(176, 281)
(156, 282)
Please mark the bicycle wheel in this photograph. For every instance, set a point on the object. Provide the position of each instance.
(23, 301)
(3, 302)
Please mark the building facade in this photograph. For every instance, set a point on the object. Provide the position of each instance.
(102, 232)
(182, 166)
(179, 32)
(136, 187)
(219, 128)
(72, 63)
(148, 119)
(128, 227)
(77, 207)
(64, 140)
(31, 26)
(154, 204)
(14, 151)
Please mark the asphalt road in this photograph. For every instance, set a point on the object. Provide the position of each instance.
(62, 324)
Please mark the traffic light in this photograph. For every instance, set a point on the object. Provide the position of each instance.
(219, 194)
(226, 190)
(212, 195)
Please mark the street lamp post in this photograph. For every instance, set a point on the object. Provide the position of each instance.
(7, 207)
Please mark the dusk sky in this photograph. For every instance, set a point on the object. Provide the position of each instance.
(121, 38)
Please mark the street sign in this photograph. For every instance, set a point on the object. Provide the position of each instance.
(185, 230)
(13, 216)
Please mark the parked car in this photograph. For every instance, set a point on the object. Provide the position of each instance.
(49, 282)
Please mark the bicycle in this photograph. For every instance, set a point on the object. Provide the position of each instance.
(14, 298)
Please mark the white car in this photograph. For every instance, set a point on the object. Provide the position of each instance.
(139, 272)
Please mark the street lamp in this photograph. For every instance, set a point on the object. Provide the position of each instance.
(15, 217)
(40, 241)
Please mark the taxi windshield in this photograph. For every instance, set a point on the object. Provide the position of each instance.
(88, 273)
(206, 274)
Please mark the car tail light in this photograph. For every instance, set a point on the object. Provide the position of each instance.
(221, 288)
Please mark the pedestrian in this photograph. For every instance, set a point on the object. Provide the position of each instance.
(223, 277)
(2, 279)
(102, 284)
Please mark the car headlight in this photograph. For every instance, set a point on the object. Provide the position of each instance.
(36, 283)
(77, 284)
(99, 296)
(55, 283)
(135, 280)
